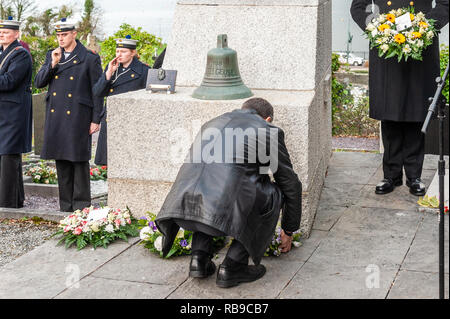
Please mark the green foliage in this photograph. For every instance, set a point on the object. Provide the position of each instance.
(146, 47)
(340, 93)
(353, 120)
(39, 46)
(444, 62)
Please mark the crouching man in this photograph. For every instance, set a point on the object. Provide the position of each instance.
(224, 189)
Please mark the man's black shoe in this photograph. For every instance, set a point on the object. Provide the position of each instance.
(416, 186)
(201, 265)
(387, 185)
(229, 276)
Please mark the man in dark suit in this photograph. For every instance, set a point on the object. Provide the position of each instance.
(123, 74)
(72, 114)
(399, 95)
(15, 113)
(229, 192)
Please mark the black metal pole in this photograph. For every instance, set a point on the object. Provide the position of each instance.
(438, 101)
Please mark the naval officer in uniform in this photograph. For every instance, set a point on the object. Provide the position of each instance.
(72, 114)
(123, 74)
(15, 113)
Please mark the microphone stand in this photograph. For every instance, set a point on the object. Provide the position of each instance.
(438, 100)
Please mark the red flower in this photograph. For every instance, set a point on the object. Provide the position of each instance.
(104, 167)
(445, 209)
(92, 173)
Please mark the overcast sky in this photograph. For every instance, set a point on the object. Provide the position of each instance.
(155, 16)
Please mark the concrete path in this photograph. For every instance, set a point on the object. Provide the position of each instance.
(362, 246)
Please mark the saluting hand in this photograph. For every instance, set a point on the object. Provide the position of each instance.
(56, 56)
(112, 67)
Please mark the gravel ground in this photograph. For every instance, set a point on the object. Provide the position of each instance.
(17, 238)
(356, 143)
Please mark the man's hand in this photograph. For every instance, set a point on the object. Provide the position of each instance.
(94, 128)
(56, 56)
(286, 242)
(112, 67)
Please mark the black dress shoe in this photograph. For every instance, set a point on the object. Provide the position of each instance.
(201, 265)
(229, 276)
(416, 186)
(387, 185)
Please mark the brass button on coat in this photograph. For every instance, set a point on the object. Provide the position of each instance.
(411, 3)
(112, 90)
(69, 95)
(56, 77)
(389, 3)
(75, 61)
(68, 112)
(52, 110)
(71, 78)
(132, 75)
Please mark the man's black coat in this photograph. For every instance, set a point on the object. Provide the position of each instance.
(400, 91)
(71, 104)
(15, 100)
(231, 194)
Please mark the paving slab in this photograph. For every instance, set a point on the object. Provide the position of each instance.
(278, 274)
(324, 280)
(327, 216)
(365, 236)
(424, 252)
(48, 270)
(146, 267)
(417, 285)
(98, 288)
(355, 159)
(340, 194)
(400, 199)
(349, 175)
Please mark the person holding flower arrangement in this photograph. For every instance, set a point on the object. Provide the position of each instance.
(123, 74)
(404, 63)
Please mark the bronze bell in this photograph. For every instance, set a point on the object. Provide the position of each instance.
(222, 80)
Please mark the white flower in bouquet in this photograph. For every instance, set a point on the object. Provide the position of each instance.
(145, 233)
(109, 228)
(95, 227)
(385, 47)
(430, 34)
(126, 215)
(180, 233)
(419, 43)
(407, 49)
(371, 27)
(158, 243)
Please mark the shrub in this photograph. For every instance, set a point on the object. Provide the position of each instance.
(444, 62)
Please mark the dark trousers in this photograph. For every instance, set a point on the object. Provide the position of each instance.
(404, 147)
(204, 242)
(12, 193)
(74, 185)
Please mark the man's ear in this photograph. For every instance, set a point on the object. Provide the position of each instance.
(269, 119)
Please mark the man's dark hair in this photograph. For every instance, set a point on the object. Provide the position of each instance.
(264, 108)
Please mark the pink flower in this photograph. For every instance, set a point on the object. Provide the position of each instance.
(129, 221)
(117, 221)
(78, 231)
(66, 229)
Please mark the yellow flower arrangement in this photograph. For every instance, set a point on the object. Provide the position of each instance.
(402, 40)
(417, 35)
(399, 38)
(383, 27)
(390, 17)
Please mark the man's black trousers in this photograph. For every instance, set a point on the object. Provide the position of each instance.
(12, 193)
(404, 147)
(204, 242)
(74, 185)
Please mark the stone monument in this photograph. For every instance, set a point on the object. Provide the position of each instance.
(284, 49)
